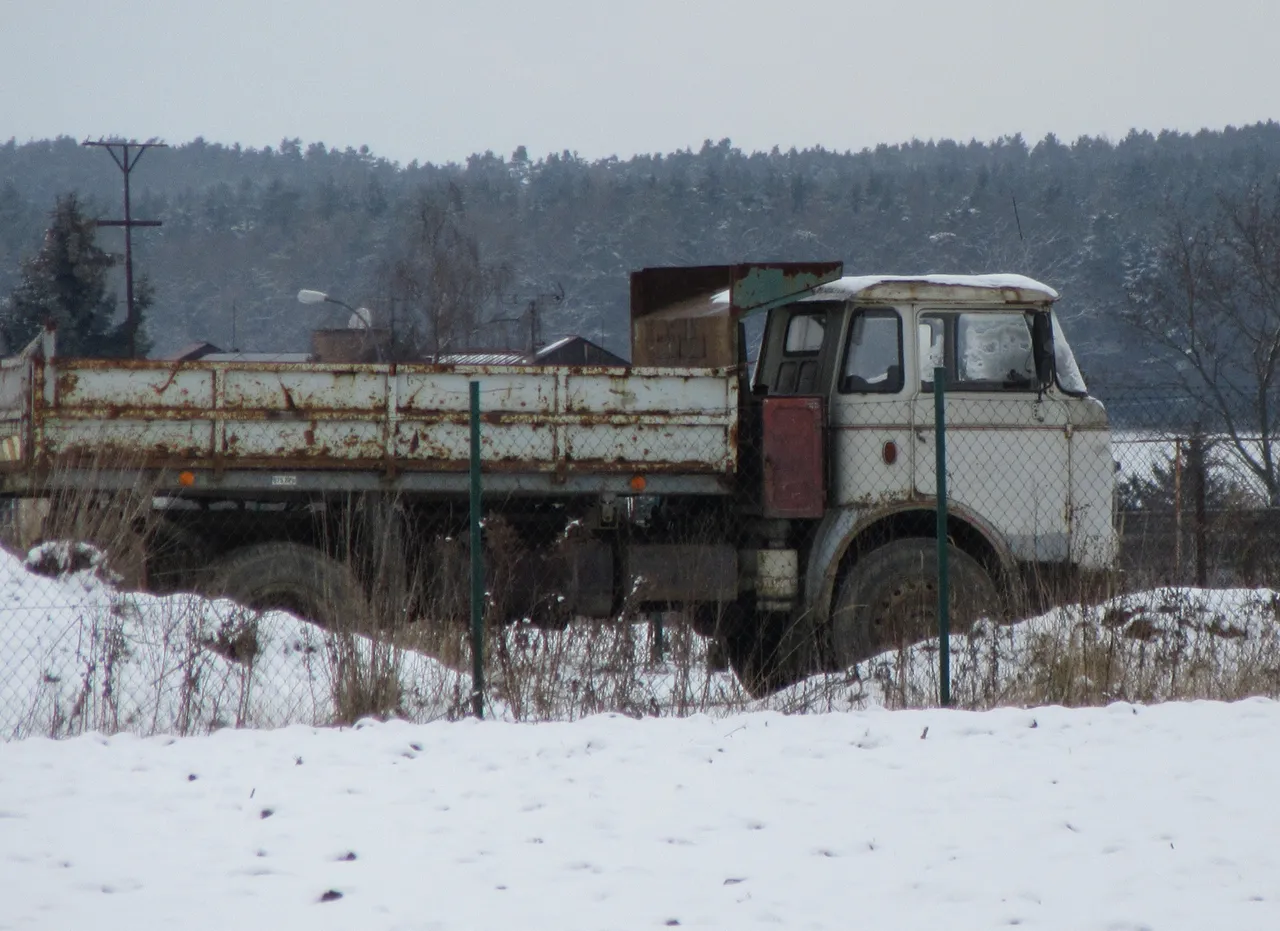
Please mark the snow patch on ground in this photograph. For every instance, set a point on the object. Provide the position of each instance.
(78, 655)
(1102, 818)
(1145, 646)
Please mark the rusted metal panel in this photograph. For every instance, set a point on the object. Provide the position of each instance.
(555, 420)
(521, 389)
(100, 385)
(647, 446)
(652, 393)
(15, 408)
(440, 442)
(304, 439)
(760, 286)
(14, 380)
(793, 448)
(105, 440)
(286, 390)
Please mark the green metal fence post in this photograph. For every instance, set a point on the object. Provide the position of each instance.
(944, 580)
(477, 564)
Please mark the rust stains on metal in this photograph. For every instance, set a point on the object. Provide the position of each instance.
(173, 373)
(269, 415)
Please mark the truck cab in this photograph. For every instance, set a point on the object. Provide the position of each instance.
(1029, 467)
(839, 448)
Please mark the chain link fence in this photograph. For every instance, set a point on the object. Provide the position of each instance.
(102, 627)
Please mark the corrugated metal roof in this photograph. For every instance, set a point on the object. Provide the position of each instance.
(504, 357)
(257, 357)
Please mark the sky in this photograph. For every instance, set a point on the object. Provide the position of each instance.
(436, 81)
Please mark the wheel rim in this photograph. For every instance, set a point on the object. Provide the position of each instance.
(904, 614)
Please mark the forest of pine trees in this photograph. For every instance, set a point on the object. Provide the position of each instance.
(244, 229)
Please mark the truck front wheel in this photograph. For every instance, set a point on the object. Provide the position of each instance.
(889, 599)
(291, 577)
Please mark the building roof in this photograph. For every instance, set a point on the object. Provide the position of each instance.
(274, 357)
(543, 356)
(494, 357)
(193, 351)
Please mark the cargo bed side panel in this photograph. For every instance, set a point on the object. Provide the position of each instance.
(197, 415)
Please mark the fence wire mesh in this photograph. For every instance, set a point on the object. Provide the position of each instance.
(121, 609)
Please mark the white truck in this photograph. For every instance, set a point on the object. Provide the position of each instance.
(787, 508)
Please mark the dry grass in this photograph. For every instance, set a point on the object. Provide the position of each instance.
(408, 655)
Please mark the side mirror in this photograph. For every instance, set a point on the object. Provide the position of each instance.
(1042, 346)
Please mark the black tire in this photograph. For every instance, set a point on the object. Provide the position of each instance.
(766, 651)
(177, 560)
(291, 577)
(889, 599)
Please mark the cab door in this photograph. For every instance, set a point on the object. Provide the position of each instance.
(871, 409)
(1007, 441)
(798, 351)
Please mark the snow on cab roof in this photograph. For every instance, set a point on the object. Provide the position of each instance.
(892, 286)
(1005, 288)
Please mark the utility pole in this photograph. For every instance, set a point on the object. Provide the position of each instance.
(533, 308)
(126, 159)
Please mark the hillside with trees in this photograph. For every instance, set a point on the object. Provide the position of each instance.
(443, 251)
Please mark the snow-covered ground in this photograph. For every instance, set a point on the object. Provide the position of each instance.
(1122, 817)
(77, 655)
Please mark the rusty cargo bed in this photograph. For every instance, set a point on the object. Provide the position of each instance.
(306, 426)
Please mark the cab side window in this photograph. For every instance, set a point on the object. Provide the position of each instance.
(873, 354)
(798, 370)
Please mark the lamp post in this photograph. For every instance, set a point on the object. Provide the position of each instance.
(361, 317)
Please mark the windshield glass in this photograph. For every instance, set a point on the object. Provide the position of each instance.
(1064, 361)
(981, 350)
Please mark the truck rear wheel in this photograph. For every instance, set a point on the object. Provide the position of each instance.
(176, 558)
(291, 577)
(890, 599)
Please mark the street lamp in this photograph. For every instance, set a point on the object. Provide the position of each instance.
(326, 343)
(361, 317)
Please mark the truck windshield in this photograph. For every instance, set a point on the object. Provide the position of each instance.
(981, 351)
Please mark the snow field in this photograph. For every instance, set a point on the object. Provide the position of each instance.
(1110, 818)
(76, 655)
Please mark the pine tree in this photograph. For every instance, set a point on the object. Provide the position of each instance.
(65, 283)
